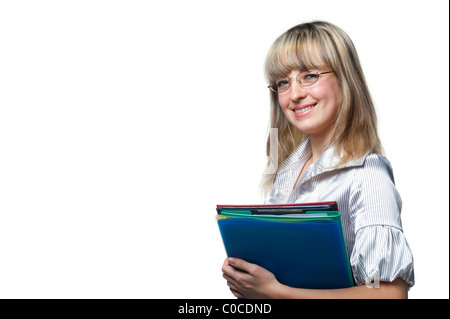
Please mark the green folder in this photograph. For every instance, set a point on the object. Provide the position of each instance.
(302, 250)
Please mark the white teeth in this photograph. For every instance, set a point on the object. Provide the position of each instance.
(304, 109)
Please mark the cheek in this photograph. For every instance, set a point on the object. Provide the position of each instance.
(284, 102)
(328, 94)
(319, 92)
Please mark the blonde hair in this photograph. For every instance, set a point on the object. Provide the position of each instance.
(322, 45)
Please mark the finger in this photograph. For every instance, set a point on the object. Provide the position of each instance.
(231, 270)
(237, 293)
(227, 277)
(230, 279)
(241, 264)
(232, 286)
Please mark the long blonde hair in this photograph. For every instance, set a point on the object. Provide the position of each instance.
(322, 45)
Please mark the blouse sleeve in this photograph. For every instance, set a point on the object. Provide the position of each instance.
(381, 253)
(380, 250)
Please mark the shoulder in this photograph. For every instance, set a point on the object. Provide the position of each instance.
(370, 168)
(374, 159)
(375, 173)
(376, 165)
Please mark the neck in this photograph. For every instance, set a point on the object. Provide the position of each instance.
(319, 144)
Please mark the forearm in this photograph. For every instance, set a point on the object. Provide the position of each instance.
(398, 289)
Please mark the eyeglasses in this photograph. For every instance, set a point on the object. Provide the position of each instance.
(303, 79)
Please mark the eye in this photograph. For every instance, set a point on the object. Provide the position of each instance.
(310, 77)
(282, 84)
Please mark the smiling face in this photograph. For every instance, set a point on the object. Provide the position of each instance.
(341, 109)
(312, 109)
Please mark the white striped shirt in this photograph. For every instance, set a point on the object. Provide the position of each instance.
(369, 204)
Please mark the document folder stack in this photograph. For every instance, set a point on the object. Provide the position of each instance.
(301, 244)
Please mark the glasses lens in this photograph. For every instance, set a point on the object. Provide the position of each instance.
(282, 86)
(307, 78)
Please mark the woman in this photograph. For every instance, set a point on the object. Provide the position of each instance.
(330, 151)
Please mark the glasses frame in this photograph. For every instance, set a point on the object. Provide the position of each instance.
(299, 82)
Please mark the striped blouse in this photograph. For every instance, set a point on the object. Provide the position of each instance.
(369, 203)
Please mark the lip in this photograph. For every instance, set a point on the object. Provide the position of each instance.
(298, 115)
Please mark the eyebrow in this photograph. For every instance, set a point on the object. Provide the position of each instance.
(286, 77)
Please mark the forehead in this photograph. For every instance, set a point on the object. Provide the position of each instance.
(291, 54)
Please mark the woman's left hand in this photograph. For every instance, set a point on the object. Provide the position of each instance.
(248, 280)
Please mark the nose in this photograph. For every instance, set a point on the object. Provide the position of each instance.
(296, 91)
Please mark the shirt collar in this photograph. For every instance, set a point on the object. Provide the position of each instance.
(328, 160)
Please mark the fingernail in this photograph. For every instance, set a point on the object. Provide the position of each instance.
(231, 260)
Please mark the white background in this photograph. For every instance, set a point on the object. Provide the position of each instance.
(123, 124)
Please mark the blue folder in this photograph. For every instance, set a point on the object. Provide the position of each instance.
(302, 251)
